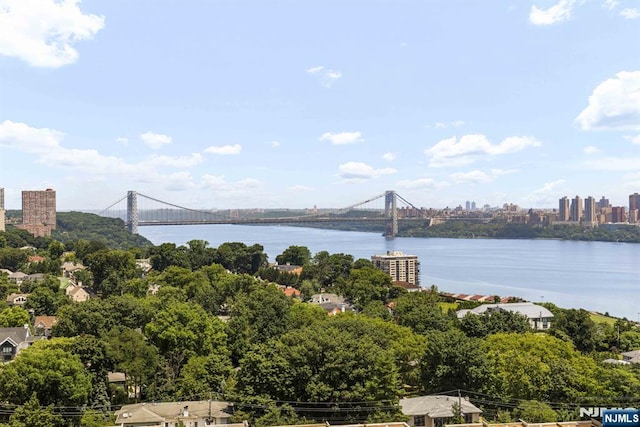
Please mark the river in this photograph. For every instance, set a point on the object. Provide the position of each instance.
(598, 276)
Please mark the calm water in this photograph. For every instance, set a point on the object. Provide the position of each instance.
(597, 276)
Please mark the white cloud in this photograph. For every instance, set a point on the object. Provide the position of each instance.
(224, 149)
(502, 172)
(613, 163)
(591, 149)
(299, 188)
(610, 4)
(326, 76)
(219, 184)
(557, 13)
(630, 13)
(389, 157)
(614, 104)
(177, 162)
(454, 152)
(123, 140)
(275, 144)
(155, 140)
(634, 139)
(178, 181)
(358, 171)
(342, 138)
(475, 177)
(45, 145)
(42, 32)
(420, 184)
(547, 194)
(446, 125)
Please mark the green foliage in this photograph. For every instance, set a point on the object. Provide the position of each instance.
(55, 376)
(204, 376)
(578, 326)
(365, 285)
(494, 322)
(240, 258)
(110, 268)
(420, 311)
(13, 317)
(31, 414)
(111, 232)
(294, 255)
(533, 411)
(453, 361)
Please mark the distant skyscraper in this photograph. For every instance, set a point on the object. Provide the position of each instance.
(590, 210)
(618, 214)
(2, 218)
(467, 205)
(576, 209)
(401, 267)
(603, 203)
(39, 212)
(473, 206)
(563, 209)
(634, 201)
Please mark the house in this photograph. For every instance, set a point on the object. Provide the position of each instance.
(288, 268)
(631, 356)
(173, 414)
(16, 299)
(77, 293)
(17, 277)
(436, 411)
(36, 259)
(13, 340)
(42, 325)
(291, 292)
(409, 287)
(539, 317)
(69, 268)
(332, 303)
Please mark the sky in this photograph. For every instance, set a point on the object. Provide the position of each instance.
(273, 103)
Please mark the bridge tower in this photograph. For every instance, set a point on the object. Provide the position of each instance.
(132, 212)
(391, 213)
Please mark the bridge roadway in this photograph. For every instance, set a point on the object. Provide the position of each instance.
(257, 221)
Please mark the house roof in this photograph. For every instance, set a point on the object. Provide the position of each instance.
(531, 310)
(12, 297)
(45, 322)
(161, 411)
(632, 356)
(405, 285)
(436, 406)
(14, 335)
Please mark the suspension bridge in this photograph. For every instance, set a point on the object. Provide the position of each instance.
(137, 210)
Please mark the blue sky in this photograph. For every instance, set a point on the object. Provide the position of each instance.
(264, 103)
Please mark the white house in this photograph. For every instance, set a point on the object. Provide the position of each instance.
(436, 411)
(171, 414)
(539, 317)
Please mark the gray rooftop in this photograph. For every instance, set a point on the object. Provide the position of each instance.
(436, 406)
(529, 309)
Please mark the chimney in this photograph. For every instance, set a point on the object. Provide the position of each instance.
(185, 412)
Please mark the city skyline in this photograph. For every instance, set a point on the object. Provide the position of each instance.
(283, 104)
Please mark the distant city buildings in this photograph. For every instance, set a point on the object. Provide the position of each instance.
(2, 214)
(39, 212)
(401, 267)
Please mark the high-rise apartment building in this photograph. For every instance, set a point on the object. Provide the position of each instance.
(401, 267)
(634, 201)
(618, 214)
(603, 203)
(2, 216)
(576, 209)
(39, 212)
(590, 211)
(563, 209)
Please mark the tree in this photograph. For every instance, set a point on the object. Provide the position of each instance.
(14, 317)
(240, 258)
(42, 301)
(533, 411)
(257, 317)
(452, 361)
(365, 285)
(421, 312)
(294, 255)
(55, 376)
(114, 264)
(34, 415)
(578, 326)
(204, 376)
(182, 330)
